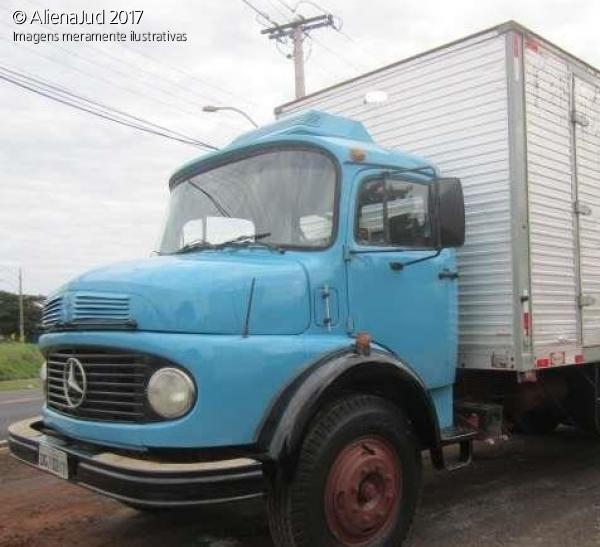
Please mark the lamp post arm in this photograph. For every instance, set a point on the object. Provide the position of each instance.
(234, 109)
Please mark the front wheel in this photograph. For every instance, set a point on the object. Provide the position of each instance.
(357, 481)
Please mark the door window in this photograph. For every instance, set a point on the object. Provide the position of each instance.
(395, 213)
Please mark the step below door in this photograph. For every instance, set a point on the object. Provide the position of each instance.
(586, 120)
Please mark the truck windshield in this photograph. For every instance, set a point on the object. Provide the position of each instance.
(287, 194)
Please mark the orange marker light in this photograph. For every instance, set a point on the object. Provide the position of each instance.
(363, 343)
(357, 154)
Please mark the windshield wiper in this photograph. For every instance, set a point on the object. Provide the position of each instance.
(198, 244)
(245, 240)
(249, 240)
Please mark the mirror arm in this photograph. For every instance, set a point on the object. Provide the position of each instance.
(423, 259)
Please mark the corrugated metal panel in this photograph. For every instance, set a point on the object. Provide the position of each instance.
(451, 106)
(587, 138)
(550, 188)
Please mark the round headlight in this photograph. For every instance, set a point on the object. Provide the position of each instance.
(171, 392)
(44, 377)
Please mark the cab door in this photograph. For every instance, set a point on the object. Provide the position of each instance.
(400, 289)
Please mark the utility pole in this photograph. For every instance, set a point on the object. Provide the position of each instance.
(21, 310)
(297, 30)
(300, 84)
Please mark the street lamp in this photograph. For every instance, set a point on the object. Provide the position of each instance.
(211, 108)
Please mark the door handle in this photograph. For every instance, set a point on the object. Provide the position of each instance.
(447, 274)
(396, 266)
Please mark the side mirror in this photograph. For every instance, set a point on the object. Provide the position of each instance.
(450, 213)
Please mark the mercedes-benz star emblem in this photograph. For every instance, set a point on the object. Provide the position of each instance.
(74, 383)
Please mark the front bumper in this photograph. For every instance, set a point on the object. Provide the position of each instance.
(141, 480)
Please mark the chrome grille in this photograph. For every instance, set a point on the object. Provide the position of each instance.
(88, 307)
(52, 312)
(116, 383)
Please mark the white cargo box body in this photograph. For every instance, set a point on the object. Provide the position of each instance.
(518, 120)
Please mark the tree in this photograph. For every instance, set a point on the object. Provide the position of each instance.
(9, 314)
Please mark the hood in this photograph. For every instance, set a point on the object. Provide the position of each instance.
(207, 292)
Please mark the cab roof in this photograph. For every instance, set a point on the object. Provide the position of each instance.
(337, 134)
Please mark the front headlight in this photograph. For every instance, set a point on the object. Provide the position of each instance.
(171, 392)
(44, 377)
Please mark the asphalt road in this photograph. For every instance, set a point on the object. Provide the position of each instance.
(18, 405)
(526, 492)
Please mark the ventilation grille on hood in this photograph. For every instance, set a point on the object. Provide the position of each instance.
(100, 308)
(52, 312)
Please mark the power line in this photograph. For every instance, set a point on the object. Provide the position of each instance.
(134, 92)
(277, 8)
(147, 127)
(297, 30)
(94, 63)
(332, 52)
(188, 75)
(96, 113)
(287, 6)
(325, 70)
(337, 26)
(87, 101)
(259, 12)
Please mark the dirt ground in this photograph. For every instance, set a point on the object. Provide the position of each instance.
(525, 492)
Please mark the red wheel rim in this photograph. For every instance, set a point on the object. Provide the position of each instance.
(363, 491)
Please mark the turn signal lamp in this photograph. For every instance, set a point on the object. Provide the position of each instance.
(363, 343)
(357, 154)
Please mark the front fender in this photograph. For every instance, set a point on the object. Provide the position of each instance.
(283, 428)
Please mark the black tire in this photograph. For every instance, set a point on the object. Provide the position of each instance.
(580, 403)
(299, 515)
(539, 421)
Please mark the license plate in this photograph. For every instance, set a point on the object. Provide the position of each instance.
(53, 460)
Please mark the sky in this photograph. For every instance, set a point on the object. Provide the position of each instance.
(77, 192)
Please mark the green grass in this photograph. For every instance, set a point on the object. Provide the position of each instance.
(17, 385)
(19, 361)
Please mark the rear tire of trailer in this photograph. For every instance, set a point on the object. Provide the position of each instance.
(539, 421)
(357, 480)
(580, 404)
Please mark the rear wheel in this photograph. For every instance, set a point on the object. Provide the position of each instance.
(357, 481)
(538, 421)
(581, 405)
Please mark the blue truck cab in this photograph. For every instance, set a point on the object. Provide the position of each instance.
(294, 337)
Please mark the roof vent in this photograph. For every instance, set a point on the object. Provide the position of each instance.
(310, 122)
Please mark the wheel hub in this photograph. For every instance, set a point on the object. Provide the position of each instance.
(363, 491)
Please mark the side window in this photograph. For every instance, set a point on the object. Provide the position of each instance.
(394, 212)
